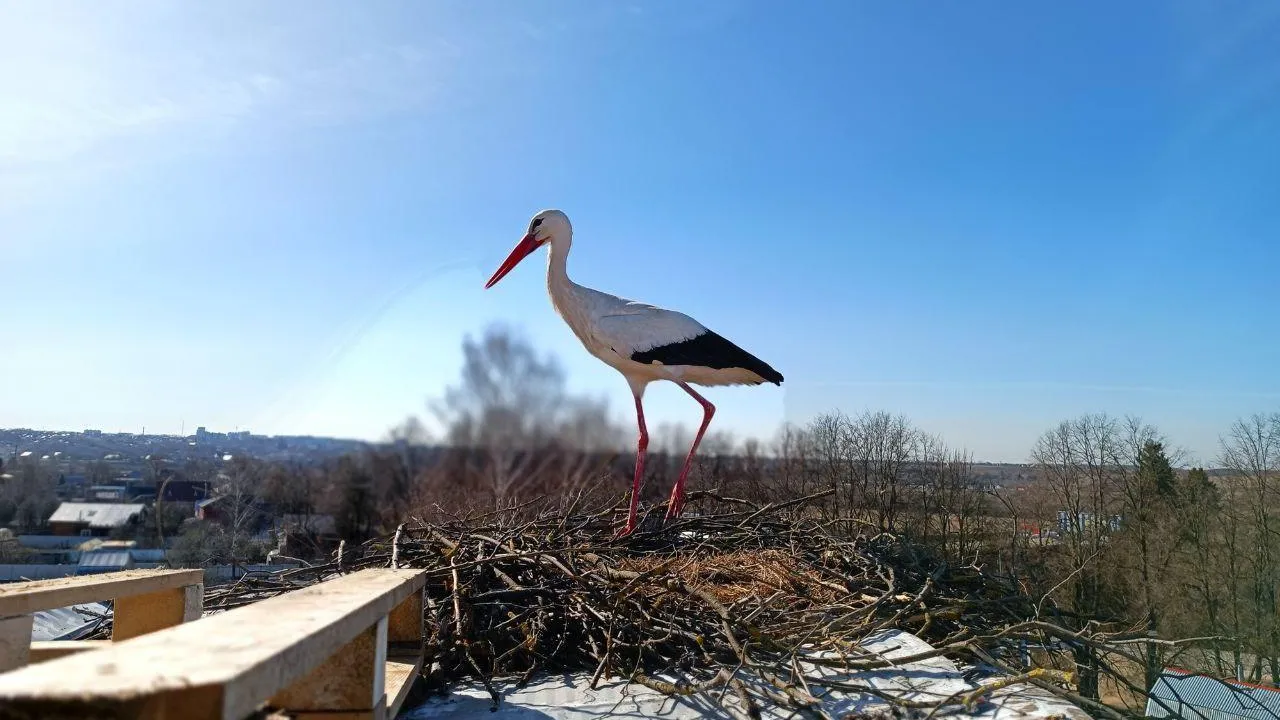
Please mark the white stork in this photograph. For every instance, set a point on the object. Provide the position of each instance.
(643, 342)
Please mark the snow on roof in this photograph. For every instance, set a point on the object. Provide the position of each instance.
(97, 515)
(571, 697)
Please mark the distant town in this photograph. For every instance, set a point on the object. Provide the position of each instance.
(131, 450)
(77, 502)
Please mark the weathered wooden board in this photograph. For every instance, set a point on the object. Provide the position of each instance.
(27, 597)
(136, 615)
(223, 666)
(42, 650)
(402, 670)
(15, 641)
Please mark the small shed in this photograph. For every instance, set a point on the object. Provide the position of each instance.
(109, 560)
(207, 509)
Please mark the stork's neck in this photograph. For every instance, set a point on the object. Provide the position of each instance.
(558, 282)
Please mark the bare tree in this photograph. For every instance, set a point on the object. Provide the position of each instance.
(30, 493)
(352, 498)
(670, 439)
(238, 486)
(1080, 461)
(585, 424)
(1208, 568)
(882, 446)
(1251, 450)
(1148, 487)
(511, 419)
(507, 403)
(794, 470)
(951, 507)
(830, 440)
(99, 472)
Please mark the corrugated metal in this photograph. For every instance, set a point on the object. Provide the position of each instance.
(1195, 697)
(113, 559)
(69, 623)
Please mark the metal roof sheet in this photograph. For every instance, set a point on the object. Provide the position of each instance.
(106, 558)
(68, 623)
(1197, 697)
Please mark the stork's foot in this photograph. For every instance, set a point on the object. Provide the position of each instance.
(625, 530)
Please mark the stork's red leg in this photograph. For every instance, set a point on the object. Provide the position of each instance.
(676, 505)
(641, 446)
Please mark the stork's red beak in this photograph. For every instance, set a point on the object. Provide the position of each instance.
(521, 251)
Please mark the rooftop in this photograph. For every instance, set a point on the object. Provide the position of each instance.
(97, 515)
(1184, 694)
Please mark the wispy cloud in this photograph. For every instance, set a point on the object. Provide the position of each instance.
(103, 86)
(40, 129)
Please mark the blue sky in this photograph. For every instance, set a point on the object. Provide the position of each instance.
(987, 216)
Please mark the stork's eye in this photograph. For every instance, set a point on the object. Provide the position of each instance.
(536, 223)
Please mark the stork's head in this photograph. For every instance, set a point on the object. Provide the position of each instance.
(545, 227)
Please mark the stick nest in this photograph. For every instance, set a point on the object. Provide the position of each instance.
(742, 606)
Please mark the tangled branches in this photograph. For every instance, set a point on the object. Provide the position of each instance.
(753, 608)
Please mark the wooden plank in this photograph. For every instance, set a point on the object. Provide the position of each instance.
(15, 641)
(231, 661)
(350, 680)
(403, 669)
(136, 615)
(405, 622)
(42, 650)
(405, 650)
(28, 597)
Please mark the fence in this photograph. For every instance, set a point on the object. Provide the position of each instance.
(212, 574)
(18, 573)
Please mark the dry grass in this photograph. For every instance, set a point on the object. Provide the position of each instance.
(738, 575)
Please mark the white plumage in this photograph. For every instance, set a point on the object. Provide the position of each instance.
(643, 342)
(614, 329)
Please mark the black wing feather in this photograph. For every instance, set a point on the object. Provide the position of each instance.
(711, 351)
